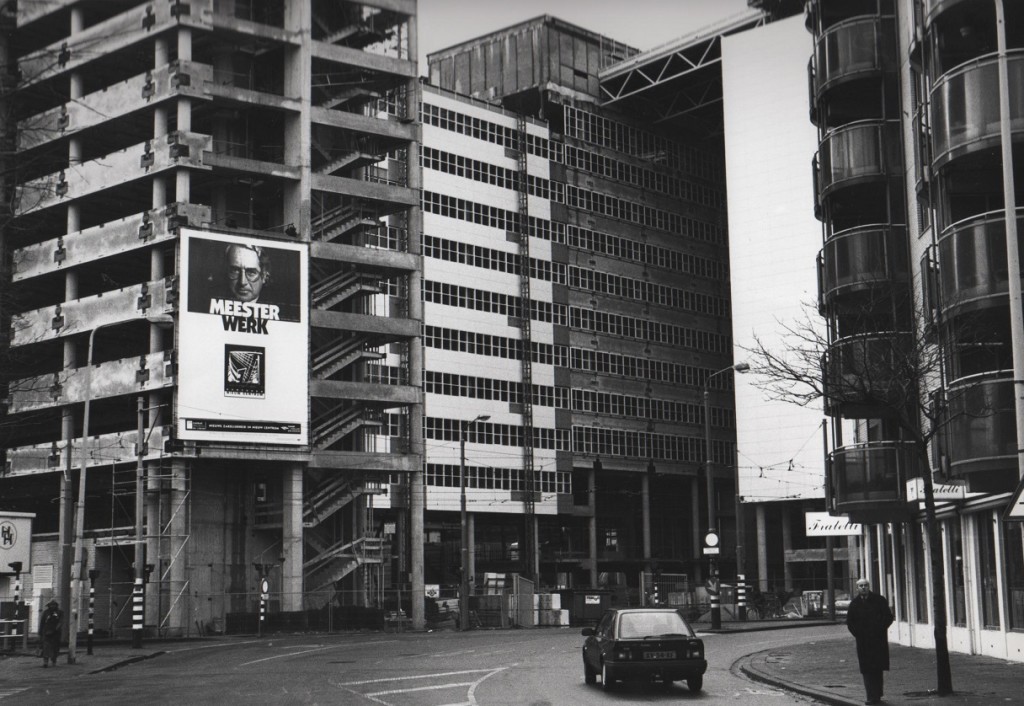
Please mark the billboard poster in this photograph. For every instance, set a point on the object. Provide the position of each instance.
(243, 340)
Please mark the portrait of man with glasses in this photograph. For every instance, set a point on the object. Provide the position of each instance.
(246, 270)
(224, 273)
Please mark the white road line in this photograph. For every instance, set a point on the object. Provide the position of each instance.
(435, 675)
(472, 689)
(4, 693)
(207, 647)
(318, 649)
(432, 687)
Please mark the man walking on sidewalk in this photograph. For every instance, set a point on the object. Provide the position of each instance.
(868, 619)
(50, 623)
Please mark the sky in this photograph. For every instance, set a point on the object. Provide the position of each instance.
(643, 24)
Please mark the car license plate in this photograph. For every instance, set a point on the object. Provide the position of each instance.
(659, 655)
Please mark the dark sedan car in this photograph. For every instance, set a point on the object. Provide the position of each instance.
(643, 644)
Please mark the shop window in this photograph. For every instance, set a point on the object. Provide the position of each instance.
(1013, 560)
(988, 581)
(959, 597)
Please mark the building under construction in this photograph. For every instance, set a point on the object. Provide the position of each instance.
(213, 209)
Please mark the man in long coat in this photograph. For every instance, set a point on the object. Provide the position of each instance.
(50, 624)
(868, 619)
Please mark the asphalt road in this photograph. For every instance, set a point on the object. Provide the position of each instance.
(529, 667)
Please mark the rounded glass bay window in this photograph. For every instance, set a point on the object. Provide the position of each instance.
(972, 261)
(869, 479)
(965, 107)
(982, 419)
(864, 259)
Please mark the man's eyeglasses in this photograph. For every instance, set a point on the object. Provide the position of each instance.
(863, 585)
(251, 273)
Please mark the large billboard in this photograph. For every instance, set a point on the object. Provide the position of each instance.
(243, 340)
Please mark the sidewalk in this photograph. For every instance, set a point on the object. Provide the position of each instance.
(827, 671)
(16, 667)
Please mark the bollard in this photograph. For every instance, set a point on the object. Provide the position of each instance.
(93, 575)
(741, 597)
(138, 612)
(19, 610)
(263, 613)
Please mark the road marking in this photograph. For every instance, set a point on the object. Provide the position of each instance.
(375, 696)
(220, 644)
(318, 649)
(4, 693)
(436, 675)
(432, 687)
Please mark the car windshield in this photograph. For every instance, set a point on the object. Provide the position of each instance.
(651, 624)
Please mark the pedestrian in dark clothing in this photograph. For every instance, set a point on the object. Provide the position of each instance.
(50, 624)
(868, 619)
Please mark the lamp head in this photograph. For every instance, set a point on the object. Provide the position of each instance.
(741, 367)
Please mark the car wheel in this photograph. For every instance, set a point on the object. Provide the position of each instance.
(695, 683)
(606, 677)
(589, 674)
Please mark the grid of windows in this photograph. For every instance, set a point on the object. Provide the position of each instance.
(606, 363)
(624, 248)
(510, 391)
(492, 174)
(492, 302)
(604, 204)
(481, 129)
(491, 259)
(648, 216)
(489, 477)
(642, 290)
(597, 402)
(603, 132)
(441, 429)
(625, 443)
(495, 346)
(610, 168)
(646, 330)
(574, 236)
(585, 401)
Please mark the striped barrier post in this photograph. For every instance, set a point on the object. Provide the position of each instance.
(19, 610)
(138, 612)
(741, 596)
(263, 613)
(92, 610)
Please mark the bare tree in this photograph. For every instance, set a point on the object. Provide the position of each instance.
(890, 374)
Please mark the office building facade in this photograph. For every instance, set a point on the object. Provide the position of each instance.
(918, 106)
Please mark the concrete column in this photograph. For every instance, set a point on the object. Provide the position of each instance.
(592, 524)
(787, 546)
(291, 538)
(298, 131)
(697, 529)
(182, 177)
(417, 498)
(645, 502)
(762, 550)
(67, 489)
(178, 546)
(471, 568)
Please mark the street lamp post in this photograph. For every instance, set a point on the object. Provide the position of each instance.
(712, 536)
(76, 566)
(464, 572)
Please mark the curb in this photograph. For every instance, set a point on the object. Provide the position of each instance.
(745, 666)
(126, 662)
